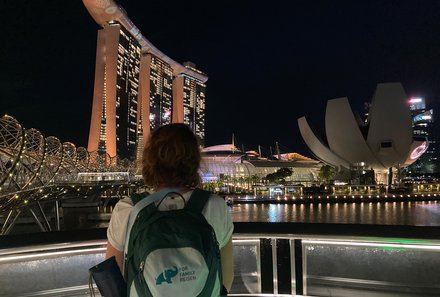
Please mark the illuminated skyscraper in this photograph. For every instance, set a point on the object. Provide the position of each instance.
(137, 87)
(194, 104)
(423, 128)
(161, 92)
(113, 127)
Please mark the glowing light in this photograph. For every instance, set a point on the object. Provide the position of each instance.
(415, 100)
(418, 151)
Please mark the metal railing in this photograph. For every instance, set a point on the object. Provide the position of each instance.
(278, 259)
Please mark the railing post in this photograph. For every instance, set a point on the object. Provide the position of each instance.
(274, 265)
(266, 260)
(299, 278)
(285, 282)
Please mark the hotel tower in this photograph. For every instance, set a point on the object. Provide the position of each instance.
(137, 87)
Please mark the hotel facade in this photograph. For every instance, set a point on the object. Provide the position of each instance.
(137, 87)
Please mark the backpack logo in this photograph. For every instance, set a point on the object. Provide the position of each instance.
(167, 275)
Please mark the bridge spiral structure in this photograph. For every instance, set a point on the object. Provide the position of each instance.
(34, 167)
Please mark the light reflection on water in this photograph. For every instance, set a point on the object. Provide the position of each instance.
(425, 213)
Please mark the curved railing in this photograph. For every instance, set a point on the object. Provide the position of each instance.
(271, 259)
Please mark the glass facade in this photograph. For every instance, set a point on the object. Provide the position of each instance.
(220, 167)
(161, 93)
(194, 106)
(103, 122)
(127, 85)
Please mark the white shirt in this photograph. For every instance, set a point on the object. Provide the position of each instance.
(215, 211)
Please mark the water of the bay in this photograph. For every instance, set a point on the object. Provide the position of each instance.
(423, 213)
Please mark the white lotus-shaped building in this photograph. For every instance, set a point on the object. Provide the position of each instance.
(385, 141)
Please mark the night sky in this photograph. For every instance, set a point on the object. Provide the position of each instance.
(268, 62)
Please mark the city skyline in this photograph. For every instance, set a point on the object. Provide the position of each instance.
(267, 66)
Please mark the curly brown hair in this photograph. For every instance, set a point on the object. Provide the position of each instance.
(171, 158)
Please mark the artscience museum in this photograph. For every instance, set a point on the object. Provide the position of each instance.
(382, 144)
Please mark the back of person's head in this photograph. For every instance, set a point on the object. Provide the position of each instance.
(171, 157)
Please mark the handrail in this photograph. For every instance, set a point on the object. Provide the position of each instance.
(250, 228)
(273, 259)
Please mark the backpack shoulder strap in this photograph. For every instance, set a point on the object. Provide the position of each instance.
(139, 205)
(136, 197)
(198, 200)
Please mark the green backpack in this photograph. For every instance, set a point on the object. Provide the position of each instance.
(172, 253)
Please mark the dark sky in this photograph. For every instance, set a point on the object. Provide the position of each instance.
(268, 62)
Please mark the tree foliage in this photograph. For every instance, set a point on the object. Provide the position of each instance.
(279, 176)
(327, 173)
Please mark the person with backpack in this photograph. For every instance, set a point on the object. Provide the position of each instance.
(178, 240)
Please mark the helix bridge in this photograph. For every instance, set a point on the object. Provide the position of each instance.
(36, 170)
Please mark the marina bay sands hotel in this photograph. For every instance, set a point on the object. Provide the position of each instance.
(137, 87)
